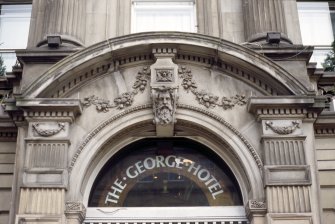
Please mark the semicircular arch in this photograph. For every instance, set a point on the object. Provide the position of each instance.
(213, 133)
(100, 58)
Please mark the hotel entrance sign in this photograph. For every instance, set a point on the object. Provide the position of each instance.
(165, 173)
(139, 168)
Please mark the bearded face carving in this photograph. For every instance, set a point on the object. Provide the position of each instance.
(164, 99)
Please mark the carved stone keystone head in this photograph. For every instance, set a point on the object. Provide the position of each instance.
(164, 90)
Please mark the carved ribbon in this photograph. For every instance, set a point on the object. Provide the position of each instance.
(48, 132)
(282, 130)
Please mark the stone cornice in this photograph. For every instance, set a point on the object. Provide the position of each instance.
(286, 106)
(44, 55)
(284, 52)
(325, 124)
(43, 108)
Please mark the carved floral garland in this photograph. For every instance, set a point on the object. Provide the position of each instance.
(48, 132)
(125, 99)
(283, 130)
(205, 98)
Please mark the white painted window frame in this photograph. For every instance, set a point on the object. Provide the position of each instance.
(180, 4)
(166, 214)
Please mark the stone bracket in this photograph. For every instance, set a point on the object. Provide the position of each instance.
(287, 175)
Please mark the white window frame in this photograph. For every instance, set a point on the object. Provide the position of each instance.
(321, 48)
(138, 4)
(166, 214)
(8, 52)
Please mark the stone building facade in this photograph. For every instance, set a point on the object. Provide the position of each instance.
(107, 103)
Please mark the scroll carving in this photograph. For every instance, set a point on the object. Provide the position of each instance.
(282, 130)
(208, 99)
(164, 104)
(48, 132)
(125, 99)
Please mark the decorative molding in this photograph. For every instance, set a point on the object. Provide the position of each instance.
(205, 98)
(288, 196)
(324, 131)
(252, 151)
(255, 207)
(125, 99)
(282, 130)
(48, 132)
(77, 206)
(257, 204)
(164, 104)
(90, 73)
(94, 132)
(75, 210)
(46, 155)
(284, 151)
(164, 75)
(287, 175)
(164, 90)
(8, 134)
(34, 201)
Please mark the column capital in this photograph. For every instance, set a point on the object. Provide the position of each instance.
(75, 212)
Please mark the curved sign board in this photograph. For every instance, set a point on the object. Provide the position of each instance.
(165, 173)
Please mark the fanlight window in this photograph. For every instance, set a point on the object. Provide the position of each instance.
(165, 173)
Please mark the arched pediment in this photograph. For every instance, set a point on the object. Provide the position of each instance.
(235, 60)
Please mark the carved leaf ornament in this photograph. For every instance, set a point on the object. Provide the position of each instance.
(203, 97)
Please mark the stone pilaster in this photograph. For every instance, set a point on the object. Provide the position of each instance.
(289, 170)
(263, 16)
(65, 18)
(45, 173)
